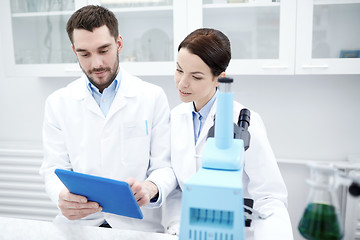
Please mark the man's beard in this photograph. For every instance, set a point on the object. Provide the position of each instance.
(110, 80)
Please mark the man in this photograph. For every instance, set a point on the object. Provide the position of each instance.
(107, 123)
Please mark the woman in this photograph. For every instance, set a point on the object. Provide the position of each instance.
(203, 57)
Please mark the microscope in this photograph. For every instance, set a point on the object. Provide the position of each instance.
(212, 202)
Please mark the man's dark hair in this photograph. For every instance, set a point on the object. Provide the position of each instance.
(90, 17)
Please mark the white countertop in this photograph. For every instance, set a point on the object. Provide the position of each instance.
(21, 229)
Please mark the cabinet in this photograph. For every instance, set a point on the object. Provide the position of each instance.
(150, 31)
(36, 42)
(34, 38)
(267, 36)
(287, 36)
(328, 37)
(261, 33)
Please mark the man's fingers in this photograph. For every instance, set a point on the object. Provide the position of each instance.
(68, 196)
(76, 205)
(130, 181)
(143, 201)
(75, 210)
(77, 198)
(73, 214)
(143, 191)
(135, 187)
(140, 193)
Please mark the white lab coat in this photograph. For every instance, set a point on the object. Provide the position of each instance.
(261, 179)
(133, 140)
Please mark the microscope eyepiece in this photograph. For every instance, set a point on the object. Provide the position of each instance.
(354, 189)
(244, 118)
(225, 80)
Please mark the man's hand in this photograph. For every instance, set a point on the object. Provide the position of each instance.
(74, 206)
(143, 191)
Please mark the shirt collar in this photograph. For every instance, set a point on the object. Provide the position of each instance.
(204, 112)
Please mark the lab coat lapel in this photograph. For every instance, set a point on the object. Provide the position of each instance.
(209, 122)
(185, 164)
(126, 90)
(191, 159)
(91, 105)
(118, 103)
(82, 93)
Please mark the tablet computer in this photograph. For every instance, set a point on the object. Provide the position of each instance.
(112, 195)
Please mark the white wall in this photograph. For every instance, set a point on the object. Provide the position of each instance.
(307, 117)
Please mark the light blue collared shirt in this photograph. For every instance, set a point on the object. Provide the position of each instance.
(105, 99)
(199, 118)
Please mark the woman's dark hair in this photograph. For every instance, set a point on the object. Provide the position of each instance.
(90, 17)
(212, 46)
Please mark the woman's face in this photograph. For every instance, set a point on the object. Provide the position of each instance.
(194, 79)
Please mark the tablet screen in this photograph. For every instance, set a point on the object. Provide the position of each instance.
(112, 195)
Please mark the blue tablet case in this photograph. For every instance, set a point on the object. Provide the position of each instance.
(112, 195)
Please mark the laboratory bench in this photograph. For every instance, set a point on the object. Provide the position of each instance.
(21, 229)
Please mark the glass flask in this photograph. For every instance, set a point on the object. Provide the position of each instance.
(321, 219)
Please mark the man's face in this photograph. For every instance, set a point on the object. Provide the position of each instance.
(97, 53)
